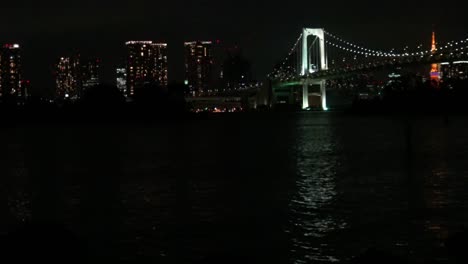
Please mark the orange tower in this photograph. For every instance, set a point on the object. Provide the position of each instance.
(435, 67)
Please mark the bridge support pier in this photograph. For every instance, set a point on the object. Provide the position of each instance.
(323, 92)
(305, 95)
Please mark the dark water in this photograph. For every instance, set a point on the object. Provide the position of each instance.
(279, 188)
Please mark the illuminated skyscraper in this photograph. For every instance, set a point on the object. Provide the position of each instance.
(10, 71)
(74, 75)
(435, 67)
(90, 73)
(199, 67)
(68, 78)
(160, 61)
(121, 80)
(146, 64)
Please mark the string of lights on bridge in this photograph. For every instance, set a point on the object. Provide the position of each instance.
(291, 52)
(437, 51)
(356, 49)
(453, 46)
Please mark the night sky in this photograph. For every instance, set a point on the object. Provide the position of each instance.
(265, 30)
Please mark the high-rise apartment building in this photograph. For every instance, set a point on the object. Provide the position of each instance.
(121, 80)
(146, 64)
(74, 75)
(68, 78)
(90, 73)
(10, 71)
(199, 67)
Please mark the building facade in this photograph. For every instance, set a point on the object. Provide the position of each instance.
(160, 73)
(121, 80)
(199, 67)
(10, 71)
(74, 75)
(90, 73)
(455, 70)
(68, 78)
(146, 64)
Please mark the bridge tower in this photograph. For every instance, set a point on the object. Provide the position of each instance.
(322, 64)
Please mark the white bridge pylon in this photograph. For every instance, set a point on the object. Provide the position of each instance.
(319, 33)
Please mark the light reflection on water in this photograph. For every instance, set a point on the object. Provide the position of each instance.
(312, 218)
(344, 179)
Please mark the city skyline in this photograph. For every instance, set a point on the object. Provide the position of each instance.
(234, 131)
(99, 29)
(204, 68)
(199, 66)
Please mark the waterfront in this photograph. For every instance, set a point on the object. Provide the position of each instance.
(273, 187)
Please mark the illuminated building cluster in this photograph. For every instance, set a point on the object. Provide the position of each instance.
(199, 67)
(10, 71)
(72, 77)
(146, 64)
(454, 70)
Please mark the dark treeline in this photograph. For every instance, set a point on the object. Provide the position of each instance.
(101, 103)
